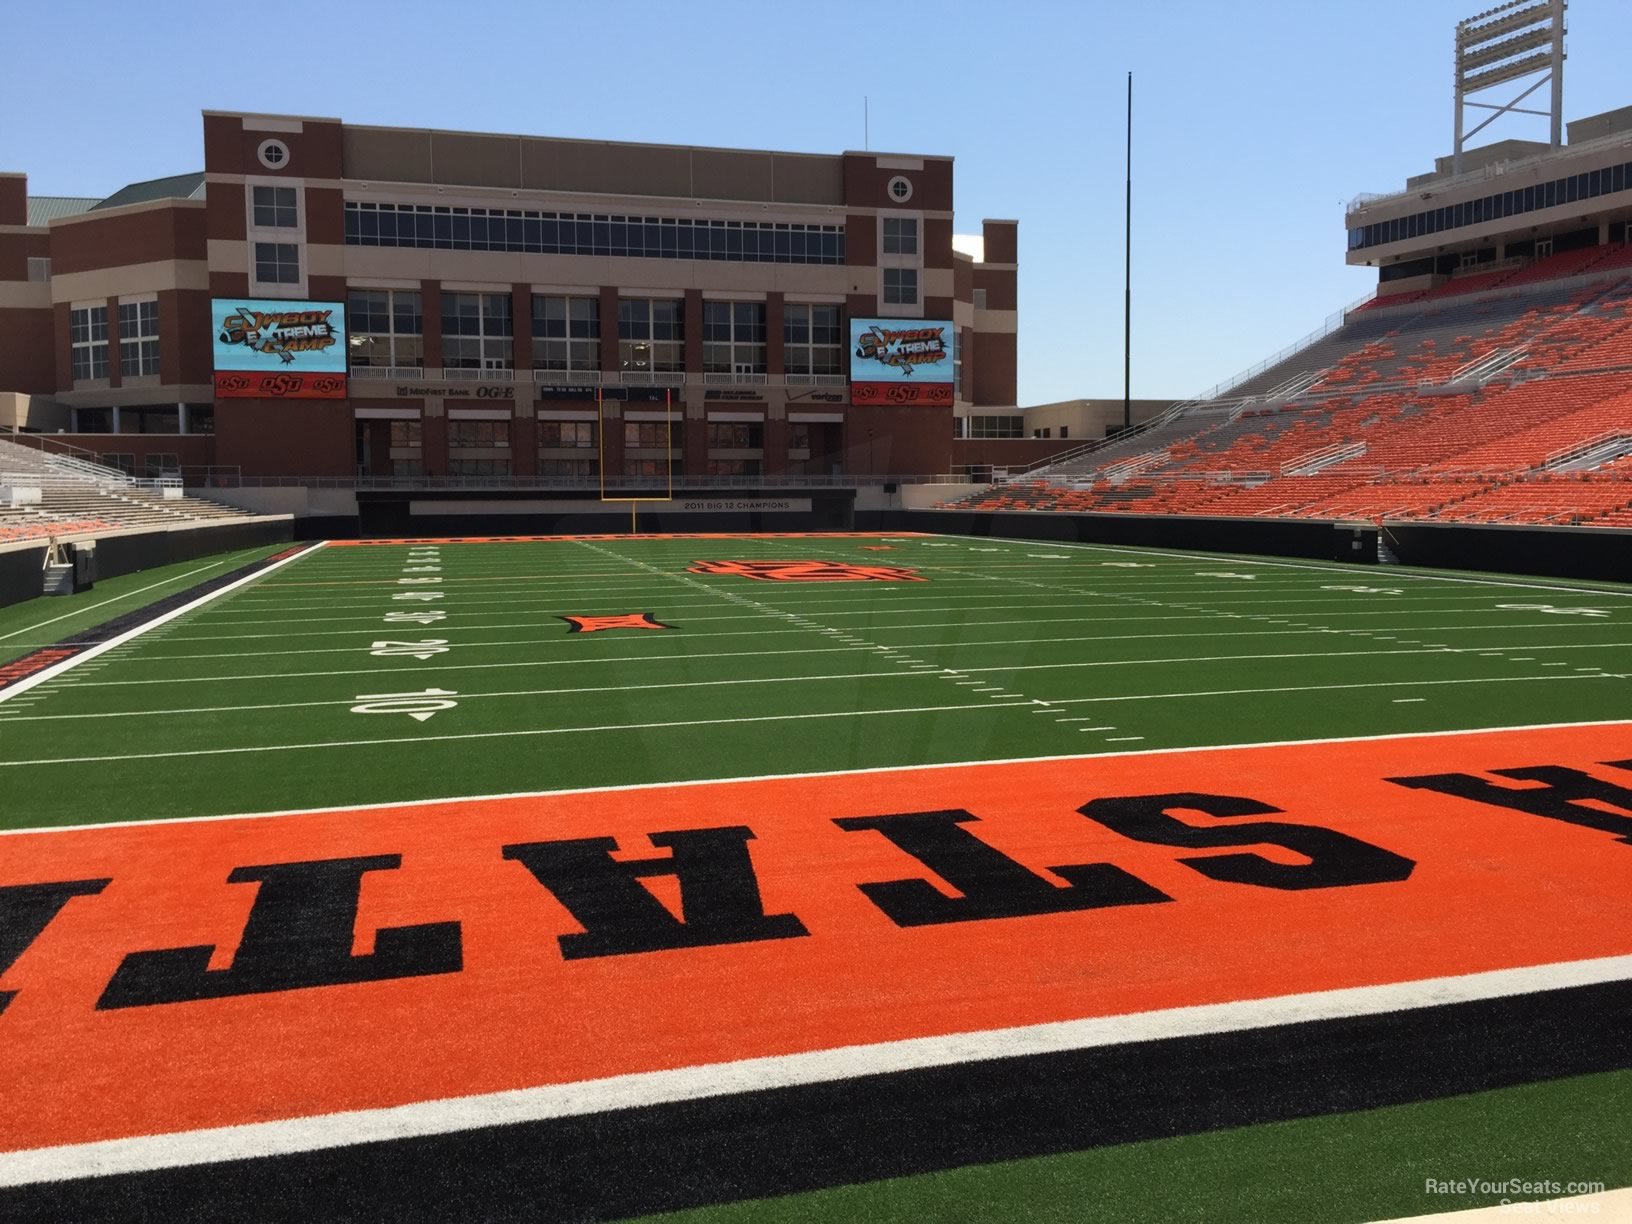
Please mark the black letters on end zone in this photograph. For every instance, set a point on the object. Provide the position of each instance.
(1335, 859)
(299, 933)
(719, 893)
(993, 885)
(26, 910)
(1555, 799)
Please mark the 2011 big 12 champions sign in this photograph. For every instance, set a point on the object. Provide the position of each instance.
(279, 350)
(901, 361)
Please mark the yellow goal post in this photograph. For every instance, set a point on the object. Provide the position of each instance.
(668, 457)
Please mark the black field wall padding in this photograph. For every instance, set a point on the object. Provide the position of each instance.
(403, 516)
(1313, 539)
(1550, 552)
(21, 575)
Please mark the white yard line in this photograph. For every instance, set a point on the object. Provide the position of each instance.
(642, 687)
(274, 603)
(529, 733)
(811, 775)
(1368, 573)
(1104, 597)
(421, 669)
(1017, 701)
(1121, 618)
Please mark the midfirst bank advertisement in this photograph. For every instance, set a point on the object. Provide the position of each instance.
(901, 361)
(280, 350)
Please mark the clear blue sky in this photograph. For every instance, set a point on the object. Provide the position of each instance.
(1254, 122)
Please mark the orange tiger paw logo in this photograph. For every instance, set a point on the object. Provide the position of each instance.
(627, 620)
(806, 571)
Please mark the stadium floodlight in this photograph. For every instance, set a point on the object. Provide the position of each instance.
(1510, 42)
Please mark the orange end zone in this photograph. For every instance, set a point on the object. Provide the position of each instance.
(683, 535)
(1138, 905)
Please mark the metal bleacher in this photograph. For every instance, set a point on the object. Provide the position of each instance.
(1503, 397)
(80, 497)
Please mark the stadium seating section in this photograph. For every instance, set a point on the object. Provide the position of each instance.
(1503, 397)
(80, 498)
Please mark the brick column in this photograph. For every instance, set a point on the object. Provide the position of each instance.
(693, 313)
(521, 341)
(113, 343)
(775, 335)
(524, 440)
(610, 439)
(609, 331)
(433, 455)
(430, 306)
(695, 454)
(776, 447)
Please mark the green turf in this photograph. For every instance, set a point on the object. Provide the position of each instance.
(41, 622)
(213, 712)
(1336, 1169)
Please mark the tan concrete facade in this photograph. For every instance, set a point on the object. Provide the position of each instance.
(640, 233)
(1087, 420)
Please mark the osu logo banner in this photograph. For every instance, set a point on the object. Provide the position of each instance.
(901, 393)
(291, 350)
(806, 571)
(280, 386)
(902, 361)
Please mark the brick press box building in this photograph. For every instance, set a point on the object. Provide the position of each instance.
(326, 300)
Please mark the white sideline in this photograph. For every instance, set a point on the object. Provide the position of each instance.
(1391, 572)
(1607, 1207)
(1109, 637)
(536, 732)
(1007, 667)
(85, 656)
(692, 1083)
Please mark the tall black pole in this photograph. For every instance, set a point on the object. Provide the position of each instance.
(1127, 291)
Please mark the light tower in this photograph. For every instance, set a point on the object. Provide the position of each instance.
(1522, 38)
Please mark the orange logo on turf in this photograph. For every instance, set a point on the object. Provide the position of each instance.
(627, 620)
(806, 571)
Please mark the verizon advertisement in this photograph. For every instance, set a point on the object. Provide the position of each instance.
(279, 350)
(901, 361)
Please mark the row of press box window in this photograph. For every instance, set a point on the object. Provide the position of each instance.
(588, 470)
(535, 231)
(478, 331)
(386, 329)
(572, 435)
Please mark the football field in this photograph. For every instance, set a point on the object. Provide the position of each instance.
(814, 877)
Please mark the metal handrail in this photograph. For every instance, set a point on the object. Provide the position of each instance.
(570, 378)
(1605, 276)
(37, 441)
(1332, 323)
(1099, 444)
(368, 373)
(1496, 170)
(476, 374)
(1587, 445)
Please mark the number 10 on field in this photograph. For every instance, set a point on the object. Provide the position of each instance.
(418, 706)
